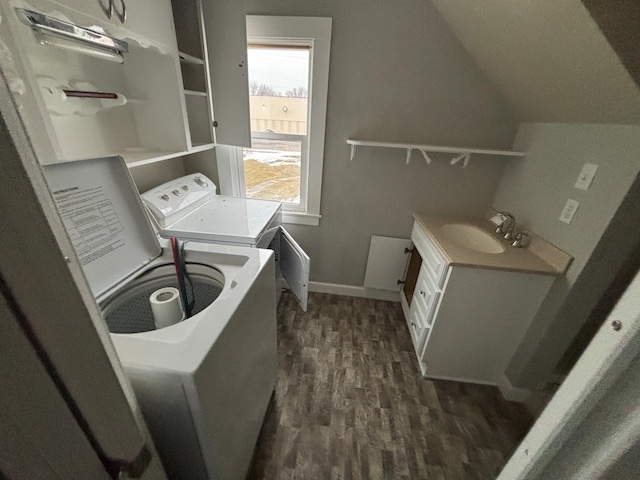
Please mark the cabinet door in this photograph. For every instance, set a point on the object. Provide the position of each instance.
(426, 296)
(295, 266)
(226, 44)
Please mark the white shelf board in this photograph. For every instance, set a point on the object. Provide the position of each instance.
(195, 93)
(201, 147)
(186, 58)
(434, 148)
(139, 156)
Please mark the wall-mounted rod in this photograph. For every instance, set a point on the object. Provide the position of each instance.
(89, 94)
(94, 43)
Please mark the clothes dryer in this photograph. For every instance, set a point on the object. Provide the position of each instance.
(190, 208)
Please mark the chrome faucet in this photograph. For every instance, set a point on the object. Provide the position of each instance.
(509, 232)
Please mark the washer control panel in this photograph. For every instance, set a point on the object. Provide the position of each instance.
(173, 200)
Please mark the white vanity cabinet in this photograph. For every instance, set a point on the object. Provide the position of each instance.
(466, 321)
(422, 288)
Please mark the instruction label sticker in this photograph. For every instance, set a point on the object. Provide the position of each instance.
(91, 222)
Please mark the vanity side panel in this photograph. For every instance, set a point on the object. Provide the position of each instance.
(480, 321)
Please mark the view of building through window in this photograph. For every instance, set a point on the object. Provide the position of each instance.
(279, 84)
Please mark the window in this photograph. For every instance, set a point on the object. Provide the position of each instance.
(278, 89)
(288, 114)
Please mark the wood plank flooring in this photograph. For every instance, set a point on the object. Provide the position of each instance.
(350, 403)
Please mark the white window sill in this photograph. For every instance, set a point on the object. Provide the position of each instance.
(301, 218)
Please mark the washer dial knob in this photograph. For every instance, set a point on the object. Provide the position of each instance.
(201, 181)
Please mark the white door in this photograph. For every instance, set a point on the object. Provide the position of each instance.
(591, 427)
(31, 405)
(295, 266)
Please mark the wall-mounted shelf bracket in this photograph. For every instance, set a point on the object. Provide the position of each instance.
(426, 157)
(409, 152)
(461, 153)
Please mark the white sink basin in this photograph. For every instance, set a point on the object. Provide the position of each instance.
(472, 238)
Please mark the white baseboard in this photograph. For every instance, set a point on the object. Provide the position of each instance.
(353, 291)
(511, 393)
(459, 379)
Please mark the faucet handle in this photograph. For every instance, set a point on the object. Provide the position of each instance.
(520, 239)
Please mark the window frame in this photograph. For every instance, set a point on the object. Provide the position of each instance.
(280, 30)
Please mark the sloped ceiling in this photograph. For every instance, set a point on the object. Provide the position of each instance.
(548, 57)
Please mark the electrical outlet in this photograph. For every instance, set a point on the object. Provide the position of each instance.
(569, 211)
(586, 176)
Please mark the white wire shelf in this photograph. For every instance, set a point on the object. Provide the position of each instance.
(461, 153)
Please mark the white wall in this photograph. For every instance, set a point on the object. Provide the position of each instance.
(535, 191)
(397, 73)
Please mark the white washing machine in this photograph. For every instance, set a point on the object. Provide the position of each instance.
(189, 208)
(204, 383)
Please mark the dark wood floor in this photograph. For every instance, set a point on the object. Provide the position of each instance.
(350, 403)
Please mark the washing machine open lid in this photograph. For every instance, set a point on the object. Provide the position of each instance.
(104, 218)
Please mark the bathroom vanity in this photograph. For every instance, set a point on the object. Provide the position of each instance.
(469, 297)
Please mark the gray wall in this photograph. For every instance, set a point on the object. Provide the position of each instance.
(154, 174)
(535, 191)
(397, 73)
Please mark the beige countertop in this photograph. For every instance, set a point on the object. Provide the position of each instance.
(539, 257)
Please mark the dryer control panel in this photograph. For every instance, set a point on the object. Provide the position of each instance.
(173, 200)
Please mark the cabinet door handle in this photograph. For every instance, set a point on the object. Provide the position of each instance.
(413, 324)
(423, 293)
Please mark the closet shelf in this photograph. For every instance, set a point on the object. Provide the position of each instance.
(200, 147)
(462, 153)
(186, 58)
(137, 157)
(195, 93)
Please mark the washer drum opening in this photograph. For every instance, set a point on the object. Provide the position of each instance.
(129, 310)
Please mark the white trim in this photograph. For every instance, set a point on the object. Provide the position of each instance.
(459, 379)
(511, 393)
(230, 175)
(354, 291)
(301, 218)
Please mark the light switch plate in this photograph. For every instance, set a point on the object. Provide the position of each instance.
(586, 176)
(569, 211)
